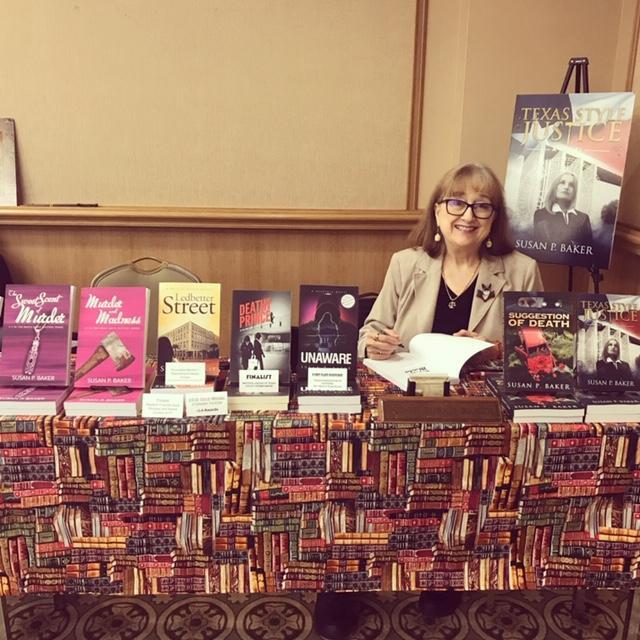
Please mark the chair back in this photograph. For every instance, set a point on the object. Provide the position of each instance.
(365, 302)
(145, 272)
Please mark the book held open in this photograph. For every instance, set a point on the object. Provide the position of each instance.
(435, 353)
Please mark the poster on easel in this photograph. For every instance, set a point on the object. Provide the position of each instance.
(8, 184)
(564, 175)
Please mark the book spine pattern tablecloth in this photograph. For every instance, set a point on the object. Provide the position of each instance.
(271, 502)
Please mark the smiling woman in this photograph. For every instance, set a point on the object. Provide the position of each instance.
(451, 279)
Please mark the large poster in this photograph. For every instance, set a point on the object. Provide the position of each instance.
(564, 176)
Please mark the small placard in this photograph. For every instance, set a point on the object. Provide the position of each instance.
(260, 381)
(162, 405)
(185, 373)
(327, 379)
(206, 403)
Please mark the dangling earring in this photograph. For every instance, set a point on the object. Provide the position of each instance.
(437, 237)
(488, 243)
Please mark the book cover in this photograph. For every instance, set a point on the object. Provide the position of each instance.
(564, 175)
(538, 343)
(189, 325)
(112, 333)
(33, 401)
(328, 331)
(8, 184)
(608, 342)
(36, 339)
(261, 333)
(119, 402)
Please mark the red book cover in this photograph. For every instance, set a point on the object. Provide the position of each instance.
(112, 333)
(36, 335)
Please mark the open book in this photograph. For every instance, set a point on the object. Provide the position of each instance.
(435, 353)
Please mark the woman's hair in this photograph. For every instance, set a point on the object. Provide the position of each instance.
(482, 179)
(605, 348)
(550, 200)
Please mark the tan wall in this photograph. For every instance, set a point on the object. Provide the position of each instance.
(482, 53)
(214, 103)
(271, 103)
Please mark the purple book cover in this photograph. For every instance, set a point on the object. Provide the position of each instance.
(36, 335)
(328, 332)
(112, 333)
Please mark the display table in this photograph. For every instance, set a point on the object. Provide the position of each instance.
(273, 502)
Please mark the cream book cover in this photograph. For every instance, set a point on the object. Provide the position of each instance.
(188, 324)
(8, 184)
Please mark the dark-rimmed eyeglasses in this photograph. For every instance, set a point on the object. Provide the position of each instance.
(457, 207)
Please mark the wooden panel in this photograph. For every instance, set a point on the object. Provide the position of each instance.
(239, 259)
(202, 218)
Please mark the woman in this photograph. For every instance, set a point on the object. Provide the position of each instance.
(451, 280)
(560, 224)
(609, 366)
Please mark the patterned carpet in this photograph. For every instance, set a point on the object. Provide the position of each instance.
(608, 615)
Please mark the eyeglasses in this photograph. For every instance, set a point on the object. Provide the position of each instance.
(457, 207)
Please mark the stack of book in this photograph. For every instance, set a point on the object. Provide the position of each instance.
(610, 407)
(314, 401)
(536, 407)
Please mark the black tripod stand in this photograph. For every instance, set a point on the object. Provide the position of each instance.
(579, 69)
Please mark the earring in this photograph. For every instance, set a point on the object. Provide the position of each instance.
(437, 237)
(488, 243)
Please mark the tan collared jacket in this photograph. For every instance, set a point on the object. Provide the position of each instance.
(407, 301)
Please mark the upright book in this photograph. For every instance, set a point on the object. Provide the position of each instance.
(539, 343)
(36, 341)
(608, 340)
(328, 331)
(188, 325)
(261, 333)
(112, 333)
(564, 175)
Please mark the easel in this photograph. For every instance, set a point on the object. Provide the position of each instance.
(580, 66)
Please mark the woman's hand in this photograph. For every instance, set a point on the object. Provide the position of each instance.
(492, 353)
(382, 344)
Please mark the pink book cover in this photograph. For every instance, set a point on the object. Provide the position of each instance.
(37, 335)
(112, 332)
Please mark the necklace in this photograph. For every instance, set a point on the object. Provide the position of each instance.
(34, 350)
(450, 295)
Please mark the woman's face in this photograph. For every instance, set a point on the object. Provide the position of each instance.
(566, 189)
(613, 349)
(465, 231)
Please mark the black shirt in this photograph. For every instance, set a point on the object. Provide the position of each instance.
(448, 320)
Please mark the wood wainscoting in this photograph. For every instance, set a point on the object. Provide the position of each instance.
(242, 248)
